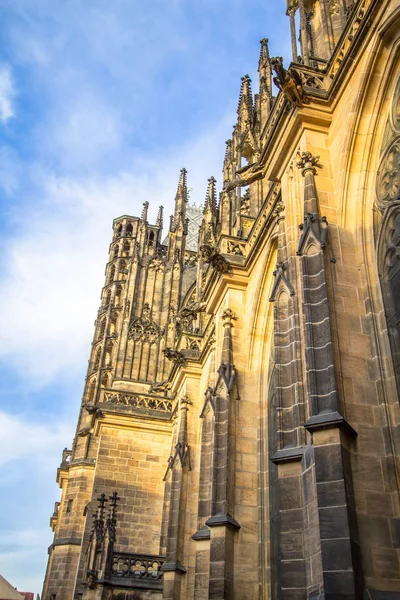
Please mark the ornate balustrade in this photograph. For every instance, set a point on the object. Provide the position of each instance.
(137, 402)
(140, 567)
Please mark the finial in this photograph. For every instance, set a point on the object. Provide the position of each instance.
(211, 196)
(307, 162)
(246, 94)
(264, 51)
(145, 211)
(228, 150)
(159, 220)
(182, 182)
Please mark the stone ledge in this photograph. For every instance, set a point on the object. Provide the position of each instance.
(173, 566)
(328, 420)
(225, 520)
(202, 534)
(287, 455)
(72, 541)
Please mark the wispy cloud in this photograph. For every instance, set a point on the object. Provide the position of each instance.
(7, 94)
(21, 438)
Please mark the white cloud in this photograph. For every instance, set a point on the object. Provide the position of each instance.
(23, 558)
(55, 258)
(7, 94)
(29, 454)
(21, 439)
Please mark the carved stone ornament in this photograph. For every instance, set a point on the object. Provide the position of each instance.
(211, 255)
(391, 241)
(388, 179)
(236, 248)
(395, 112)
(193, 309)
(228, 315)
(143, 329)
(174, 355)
(91, 578)
(159, 388)
(84, 432)
(307, 162)
(288, 81)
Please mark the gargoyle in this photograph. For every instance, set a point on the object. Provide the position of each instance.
(245, 176)
(288, 81)
(211, 255)
(191, 310)
(175, 355)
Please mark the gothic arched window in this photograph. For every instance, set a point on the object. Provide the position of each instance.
(92, 389)
(102, 329)
(389, 274)
(129, 229)
(116, 250)
(118, 294)
(97, 359)
(126, 249)
(388, 242)
(112, 274)
(108, 298)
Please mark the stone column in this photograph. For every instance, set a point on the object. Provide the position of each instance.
(291, 11)
(303, 33)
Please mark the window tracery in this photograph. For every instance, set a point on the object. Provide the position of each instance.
(388, 242)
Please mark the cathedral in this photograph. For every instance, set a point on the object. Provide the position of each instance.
(239, 432)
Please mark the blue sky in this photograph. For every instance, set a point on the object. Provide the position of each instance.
(101, 104)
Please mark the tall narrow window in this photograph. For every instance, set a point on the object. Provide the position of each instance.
(126, 248)
(118, 294)
(102, 329)
(119, 230)
(115, 252)
(108, 299)
(92, 390)
(129, 229)
(97, 359)
(69, 505)
(112, 274)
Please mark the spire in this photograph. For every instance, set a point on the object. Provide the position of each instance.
(210, 205)
(181, 195)
(228, 160)
(264, 67)
(265, 81)
(159, 222)
(179, 223)
(245, 105)
(145, 211)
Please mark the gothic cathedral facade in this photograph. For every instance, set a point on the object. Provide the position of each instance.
(238, 437)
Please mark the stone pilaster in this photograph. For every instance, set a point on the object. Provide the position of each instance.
(222, 524)
(178, 462)
(341, 574)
